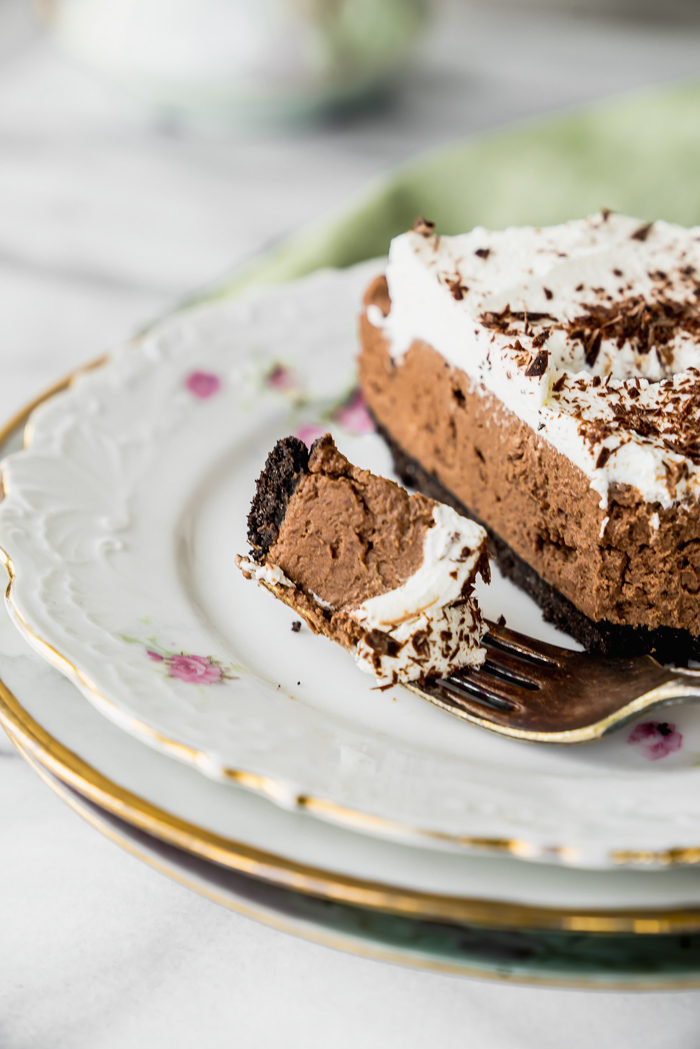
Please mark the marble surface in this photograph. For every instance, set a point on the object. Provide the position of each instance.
(108, 215)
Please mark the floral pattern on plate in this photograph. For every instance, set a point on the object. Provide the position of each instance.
(656, 739)
(203, 385)
(194, 670)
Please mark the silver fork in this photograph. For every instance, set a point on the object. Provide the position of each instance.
(530, 690)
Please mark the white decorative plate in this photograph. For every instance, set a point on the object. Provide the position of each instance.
(120, 525)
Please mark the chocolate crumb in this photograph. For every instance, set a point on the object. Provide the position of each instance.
(605, 213)
(483, 253)
(602, 459)
(501, 621)
(296, 626)
(547, 293)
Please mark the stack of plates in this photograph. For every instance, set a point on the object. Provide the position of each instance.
(188, 721)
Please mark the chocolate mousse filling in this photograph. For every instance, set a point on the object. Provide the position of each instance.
(622, 580)
(348, 535)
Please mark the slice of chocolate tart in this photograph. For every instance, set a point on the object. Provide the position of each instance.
(387, 575)
(546, 381)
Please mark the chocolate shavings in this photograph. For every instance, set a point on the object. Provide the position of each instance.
(457, 289)
(602, 459)
(643, 232)
(538, 365)
(645, 324)
(425, 227)
(382, 643)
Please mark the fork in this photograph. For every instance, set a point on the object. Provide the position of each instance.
(530, 690)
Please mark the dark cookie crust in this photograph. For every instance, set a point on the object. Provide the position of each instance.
(666, 644)
(285, 466)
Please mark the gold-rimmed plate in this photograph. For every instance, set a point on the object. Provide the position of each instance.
(637, 961)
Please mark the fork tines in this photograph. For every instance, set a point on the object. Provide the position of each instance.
(514, 662)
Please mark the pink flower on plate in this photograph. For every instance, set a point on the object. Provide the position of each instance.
(195, 670)
(658, 738)
(280, 378)
(310, 432)
(203, 384)
(353, 415)
(155, 656)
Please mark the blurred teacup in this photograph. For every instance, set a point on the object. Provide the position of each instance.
(244, 59)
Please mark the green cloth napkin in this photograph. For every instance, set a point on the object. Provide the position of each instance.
(639, 154)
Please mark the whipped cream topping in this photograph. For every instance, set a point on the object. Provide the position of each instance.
(427, 628)
(263, 573)
(589, 332)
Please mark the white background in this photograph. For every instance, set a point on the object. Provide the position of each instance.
(107, 216)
